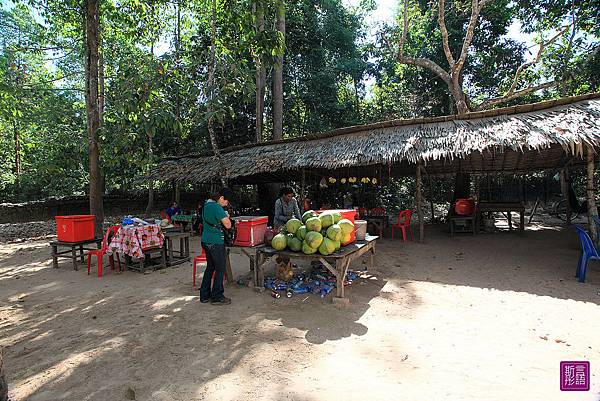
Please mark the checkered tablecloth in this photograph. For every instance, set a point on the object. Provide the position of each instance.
(133, 240)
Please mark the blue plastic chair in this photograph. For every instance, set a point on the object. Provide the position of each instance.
(588, 252)
(597, 221)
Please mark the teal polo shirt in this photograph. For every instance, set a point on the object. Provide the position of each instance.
(213, 213)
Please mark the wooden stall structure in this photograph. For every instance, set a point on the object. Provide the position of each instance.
(551, 135)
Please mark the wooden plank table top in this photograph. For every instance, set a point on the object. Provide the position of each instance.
(343, 252)
(507, 207)
(501, 206)
(188, 218)
(71, 253)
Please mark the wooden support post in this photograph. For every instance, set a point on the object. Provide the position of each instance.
(302, 190)
(228, 269)
(419, 202)
(430, 198)
(564, 187)
(591, 199)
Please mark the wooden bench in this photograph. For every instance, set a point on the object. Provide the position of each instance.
(71, 252)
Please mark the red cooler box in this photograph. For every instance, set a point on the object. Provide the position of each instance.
(349, 214)
(250, 230)
(75, 228)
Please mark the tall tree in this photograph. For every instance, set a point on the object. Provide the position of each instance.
(457, 53)
(278, 74)
(325, 63)
(92, 24)
(259, 27)
(210, 88)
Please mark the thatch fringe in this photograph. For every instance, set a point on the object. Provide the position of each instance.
(569, 123)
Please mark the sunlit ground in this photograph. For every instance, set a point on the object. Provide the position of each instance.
(464, 318)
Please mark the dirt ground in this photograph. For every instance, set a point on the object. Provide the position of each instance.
(465, 318)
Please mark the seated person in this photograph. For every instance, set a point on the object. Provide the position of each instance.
(306, 205)
(286, 207)
(173, 210)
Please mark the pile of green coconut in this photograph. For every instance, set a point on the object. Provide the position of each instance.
(324, 233)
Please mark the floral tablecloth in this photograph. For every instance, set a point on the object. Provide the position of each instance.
(132, 240)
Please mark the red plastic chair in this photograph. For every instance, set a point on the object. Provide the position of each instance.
(164, 215)
(99, 253)
(202, 259)
(403, 223)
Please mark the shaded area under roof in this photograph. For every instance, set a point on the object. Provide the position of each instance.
(517, 139)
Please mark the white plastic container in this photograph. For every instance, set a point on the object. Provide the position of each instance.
(361, 229)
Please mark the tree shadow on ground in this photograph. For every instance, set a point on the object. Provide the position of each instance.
(73, 336)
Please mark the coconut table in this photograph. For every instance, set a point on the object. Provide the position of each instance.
(251, 252)
(337, 263)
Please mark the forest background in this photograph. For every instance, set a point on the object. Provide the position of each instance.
(93, 93)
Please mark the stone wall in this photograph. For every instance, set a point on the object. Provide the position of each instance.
(113, 205)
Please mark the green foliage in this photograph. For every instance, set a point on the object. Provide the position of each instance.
(323, 66)
(156, 57)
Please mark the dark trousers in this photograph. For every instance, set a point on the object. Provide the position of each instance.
(215, 263)
(197, 225)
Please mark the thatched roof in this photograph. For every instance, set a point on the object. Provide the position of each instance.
(520, 138)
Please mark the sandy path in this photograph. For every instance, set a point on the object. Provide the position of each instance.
(454, 319)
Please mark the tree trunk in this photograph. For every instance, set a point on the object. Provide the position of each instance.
(177, 192)
(278, 77)
(460, 99)
(177, 58)
(419, 202)
(93, 115)
(260, 73)
(591, 194)
(356, 98)
(150, 205)
(17, 158)
(462, 181)
(101, 100)
(210, 91)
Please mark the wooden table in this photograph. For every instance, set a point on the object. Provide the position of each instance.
(71, 253)
(146, 258)
(463, 224)
(337, 263)
(378, 221)
(184, 218)
(251, 252)
(506, 207)
(139, 242)
(176, 257)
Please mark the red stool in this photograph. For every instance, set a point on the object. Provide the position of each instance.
(202, 259)
(198, 259)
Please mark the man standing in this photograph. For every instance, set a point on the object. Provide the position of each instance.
(286, 207)
(215, 220)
